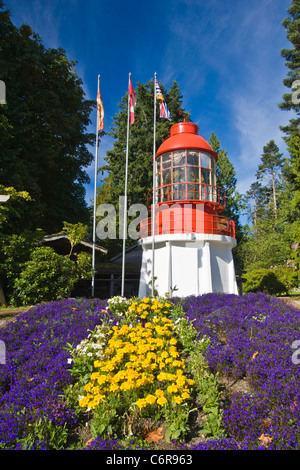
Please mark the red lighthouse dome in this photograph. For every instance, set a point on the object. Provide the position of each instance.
(184, 135)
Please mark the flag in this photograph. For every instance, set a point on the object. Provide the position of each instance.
(132, 102)
(100, 111)
(164, 111)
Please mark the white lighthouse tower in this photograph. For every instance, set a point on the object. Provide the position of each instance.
(191, 251)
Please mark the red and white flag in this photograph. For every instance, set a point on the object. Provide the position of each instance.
(100, 111)
(132, 102)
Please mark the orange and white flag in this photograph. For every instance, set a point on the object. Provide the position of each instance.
(100, 111)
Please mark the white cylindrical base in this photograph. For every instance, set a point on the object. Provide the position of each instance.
(188, 264)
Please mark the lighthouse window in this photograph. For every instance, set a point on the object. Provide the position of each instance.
(158, 164)
(213, 171)
(192, 174)
(179, 175)
(179, 158)
(193, 157)
(166, 160)
(166, 176)
(158, 179)
(205, 176)
(205, 160)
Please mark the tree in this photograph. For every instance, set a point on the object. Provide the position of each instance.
(256, 194)
(13, 210)
(270, 167)
(290, 102)
(268, 238)
(294, 171)
(140, 142)
(43, 138)
(292, 58)
(140, 154)
(76, 233)
(226, 178)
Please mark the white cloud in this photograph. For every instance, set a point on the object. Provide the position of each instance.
(256, 122)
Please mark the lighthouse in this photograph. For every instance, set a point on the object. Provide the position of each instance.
(189, 249)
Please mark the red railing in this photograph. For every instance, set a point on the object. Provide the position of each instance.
(173, 221)
(188, 192)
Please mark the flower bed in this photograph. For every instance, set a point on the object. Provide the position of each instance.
(45, 399)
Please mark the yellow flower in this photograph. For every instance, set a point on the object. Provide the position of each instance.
(159, 392)
(83, 403)
(162, 401)
(151, 399)
(172, 389)
(114, 387)
(177, 399)
(88, 387)
(141, 403)
(173, 341)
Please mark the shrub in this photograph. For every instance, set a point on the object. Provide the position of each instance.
(46, 276)
(265, 280)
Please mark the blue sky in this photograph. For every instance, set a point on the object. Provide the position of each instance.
(225, 55)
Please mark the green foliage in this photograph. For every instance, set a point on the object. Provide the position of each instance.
(46, 276)
(25, 282)
(265, 280)
(269, 170)
(44, 431)
(43, 138)
(140, 152)
(226, 179)
(12, 211)
(264, 246)
(15, 251)
(76, 233)
(292, 61)
(206, 383)
(83, 266)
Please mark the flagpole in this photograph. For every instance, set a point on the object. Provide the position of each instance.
(153, 190)
(95, 197)
(125, 196)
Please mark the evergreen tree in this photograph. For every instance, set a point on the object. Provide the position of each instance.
(292, 58)
(270, 169)
(268, 201)
(255, 196)
(140, 155)
(226, 179)
(291, 101)
(42, 128)
(140, 152)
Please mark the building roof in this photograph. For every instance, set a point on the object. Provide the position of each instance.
(60, 242)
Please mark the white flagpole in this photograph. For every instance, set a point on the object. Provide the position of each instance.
(153, 190)
(95, 197)
(125, 196)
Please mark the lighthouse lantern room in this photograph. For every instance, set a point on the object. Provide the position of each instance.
(191, 245)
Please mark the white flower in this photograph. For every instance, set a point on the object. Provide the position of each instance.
(69, 361)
